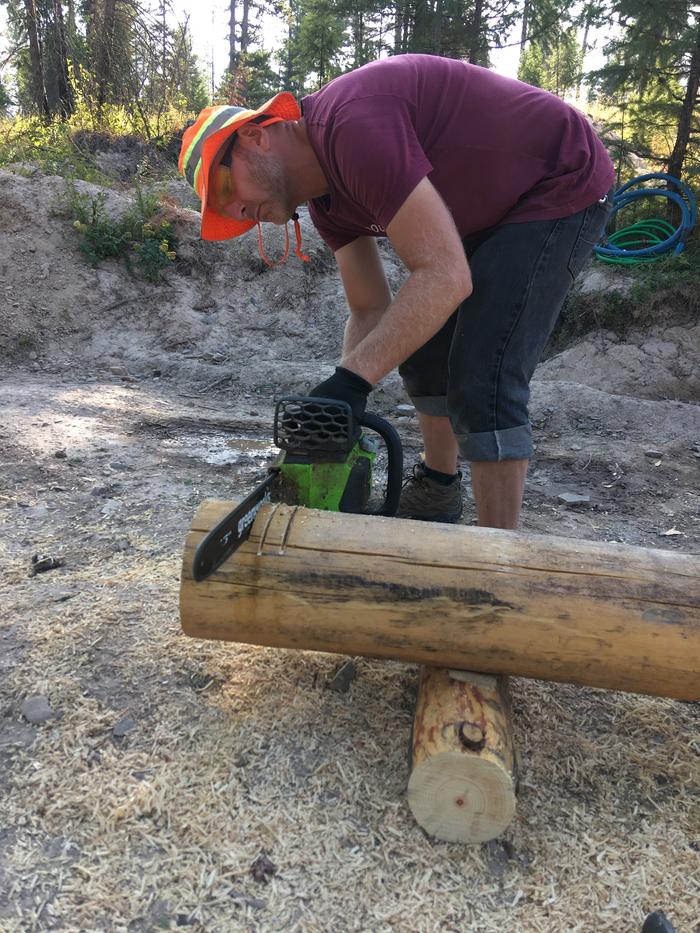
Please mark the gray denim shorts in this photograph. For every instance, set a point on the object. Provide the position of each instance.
(477, 368)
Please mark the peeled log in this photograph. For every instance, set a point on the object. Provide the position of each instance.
(606, 615)
(462, 783)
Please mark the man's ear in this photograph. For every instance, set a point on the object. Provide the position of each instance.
(252, 136)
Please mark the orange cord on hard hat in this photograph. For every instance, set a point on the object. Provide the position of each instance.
(297, 251)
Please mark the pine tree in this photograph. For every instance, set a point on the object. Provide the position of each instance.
(321, 37)
(252, 82)
(655, 64)
(553, 64)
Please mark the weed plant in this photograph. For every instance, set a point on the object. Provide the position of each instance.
(142, 237)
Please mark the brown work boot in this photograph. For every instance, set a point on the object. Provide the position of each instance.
(425, 499)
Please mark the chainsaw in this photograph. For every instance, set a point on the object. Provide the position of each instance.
(325, 462)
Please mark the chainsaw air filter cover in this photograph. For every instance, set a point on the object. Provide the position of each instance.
(315, 426)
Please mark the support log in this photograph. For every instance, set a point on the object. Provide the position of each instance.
(605, 615)
(462, 783)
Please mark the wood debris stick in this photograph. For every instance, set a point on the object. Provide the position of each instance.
(43, 562)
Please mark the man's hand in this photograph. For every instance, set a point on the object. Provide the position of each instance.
(346, 386)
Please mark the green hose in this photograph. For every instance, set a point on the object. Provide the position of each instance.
(637, 236)
(651, 239)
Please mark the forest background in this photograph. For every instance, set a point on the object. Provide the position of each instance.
(128, 67)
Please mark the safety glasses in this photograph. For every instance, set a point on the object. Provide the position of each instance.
(220, 184)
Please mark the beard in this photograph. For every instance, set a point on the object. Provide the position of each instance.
(267, 172)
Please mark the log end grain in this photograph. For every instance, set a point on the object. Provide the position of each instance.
(461, 798)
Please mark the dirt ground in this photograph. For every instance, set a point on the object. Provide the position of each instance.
(179, 783)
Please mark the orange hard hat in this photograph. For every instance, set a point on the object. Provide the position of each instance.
(203, 144)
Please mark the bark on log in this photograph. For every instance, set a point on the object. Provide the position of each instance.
(582, 612)
(462, 783)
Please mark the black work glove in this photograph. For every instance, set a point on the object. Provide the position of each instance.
(346, 386)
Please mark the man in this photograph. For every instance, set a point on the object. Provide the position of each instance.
(492, 193)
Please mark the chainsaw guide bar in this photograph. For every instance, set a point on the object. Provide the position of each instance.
(231, 532)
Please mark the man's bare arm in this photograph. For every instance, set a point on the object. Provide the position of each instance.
(366, 289)
(425, 238)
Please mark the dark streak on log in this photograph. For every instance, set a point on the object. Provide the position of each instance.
(398, 592)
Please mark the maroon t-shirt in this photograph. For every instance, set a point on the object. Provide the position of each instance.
(497, 150)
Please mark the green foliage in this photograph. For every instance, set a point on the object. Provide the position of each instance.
(554, 64)
(64, 147)
(142, 236)
(292, 72)
(48, 146)
(251, 83)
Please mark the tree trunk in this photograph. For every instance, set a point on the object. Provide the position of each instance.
(604, 615)
(475, 40)
(245, 27)
(399, 18)
(584, 49)
(38, 84)
(71, 33)
(105, 44)
(437, 28)
(232, 54)
(523, 30)
(65, 92)
(675, 163)
(420, 38)
(462, 783)
(89, 12)
(358, 29)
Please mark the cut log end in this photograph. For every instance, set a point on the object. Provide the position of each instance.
(462, 783)
(460, 798)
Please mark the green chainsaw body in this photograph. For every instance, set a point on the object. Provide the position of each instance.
(343, 486)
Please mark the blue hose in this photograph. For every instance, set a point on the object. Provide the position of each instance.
(649, 240)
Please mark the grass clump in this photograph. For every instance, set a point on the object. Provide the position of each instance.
(663, 292)
(143, 237)
(67, 147)
(681, 272)
(50, 147)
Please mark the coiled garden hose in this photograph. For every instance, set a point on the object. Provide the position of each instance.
(647, 240)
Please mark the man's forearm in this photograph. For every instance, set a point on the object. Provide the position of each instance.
(426, 240)
(358, 326)
(424, 303)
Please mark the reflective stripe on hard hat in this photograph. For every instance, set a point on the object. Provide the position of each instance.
(217, 121)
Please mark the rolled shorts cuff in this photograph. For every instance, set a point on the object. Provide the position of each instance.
(431, 405)
(510, 444)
